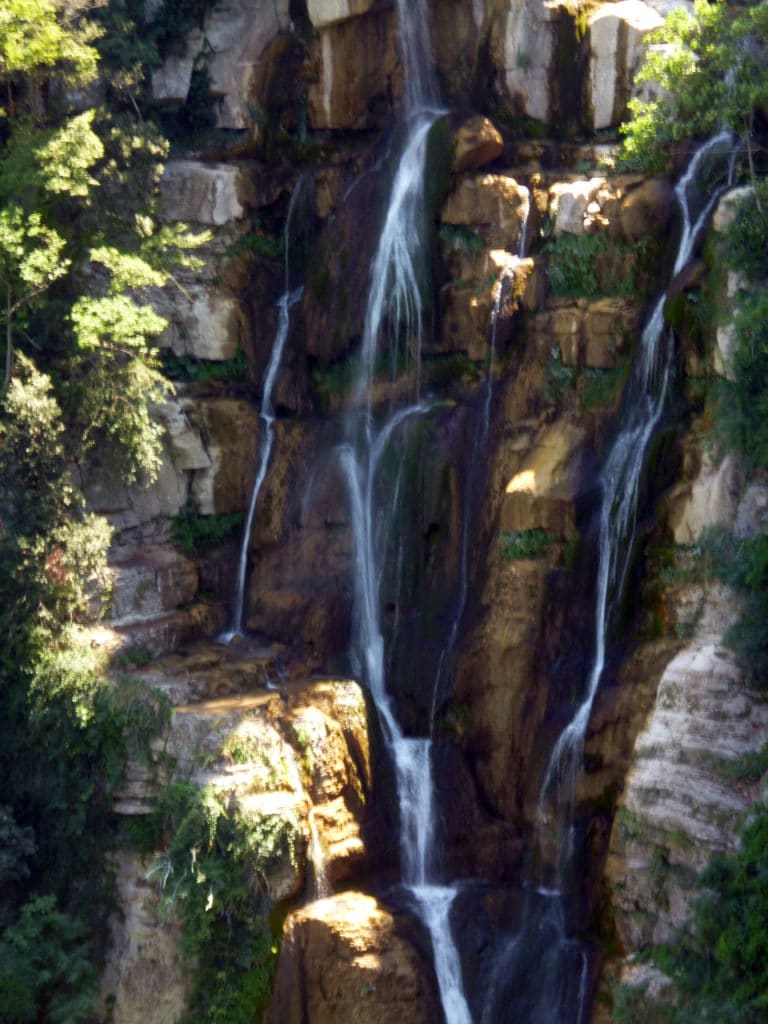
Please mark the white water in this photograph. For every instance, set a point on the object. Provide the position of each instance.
(320, 885)
(620, 478)
(393, 317)
(287, 301)
(543, 949)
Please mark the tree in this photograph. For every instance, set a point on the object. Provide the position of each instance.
(706, 70)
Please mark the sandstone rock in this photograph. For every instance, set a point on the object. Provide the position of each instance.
(148, 582)
(679, 804)
(493, 204)
(523, 46)
(647, 210)
(542, 494)
(608, 325)
(357, 61)
(327, 12)
(709, 500)
(477, 142)
(232, 429)
(201, 193)
(205, 323)
(342, 957)
(144, 981)
(616, 33)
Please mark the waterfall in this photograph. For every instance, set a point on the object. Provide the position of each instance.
(541, 975)
(393, 315)
(285, 304)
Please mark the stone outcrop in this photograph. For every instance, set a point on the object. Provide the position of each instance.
(616, 33)
(299, 756)
(476, 143)
(343, 959)
(681, 803)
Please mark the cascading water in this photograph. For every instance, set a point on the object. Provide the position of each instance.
(394, 308)
(285, 304)
(541, 975)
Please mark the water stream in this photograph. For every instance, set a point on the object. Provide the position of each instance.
(285, 304)
(541, 974)
(393, 317)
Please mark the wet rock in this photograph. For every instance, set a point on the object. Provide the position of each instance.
(231, 428)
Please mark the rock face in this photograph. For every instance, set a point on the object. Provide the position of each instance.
(342, 959)
(680, 803)
(300, 757)
(523, 377)
(616, 32)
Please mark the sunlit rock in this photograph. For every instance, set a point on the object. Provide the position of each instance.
(342, 958)
(616, 33)
(569, 202)
(205, 323)
(680, 804)
(493, 205)
(711, 499)
(477, 142)
(542, 493)
(327, 12)
(201, 193)
(524, 45)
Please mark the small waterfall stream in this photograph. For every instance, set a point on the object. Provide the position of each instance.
(285, 304)
(541, 974)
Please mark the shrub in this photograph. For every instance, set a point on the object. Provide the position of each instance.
(195, 534)
(523, 544)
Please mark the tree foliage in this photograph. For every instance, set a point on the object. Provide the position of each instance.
(705, 70)
(81, 254)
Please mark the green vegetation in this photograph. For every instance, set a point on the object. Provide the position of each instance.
(81, 248)
(594, 266)
(720, 964)
(215, 880)
(184, 368)
(712, 72)
(195, 534)
(518, 545)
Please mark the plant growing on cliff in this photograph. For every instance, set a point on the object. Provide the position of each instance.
(215, 879)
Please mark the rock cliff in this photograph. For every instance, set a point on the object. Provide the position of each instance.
(309, 90)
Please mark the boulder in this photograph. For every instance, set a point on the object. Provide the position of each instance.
(647, 210)
(616, 34)
(476, 142)
(494, 205)
(342, 959)
(569, 203)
